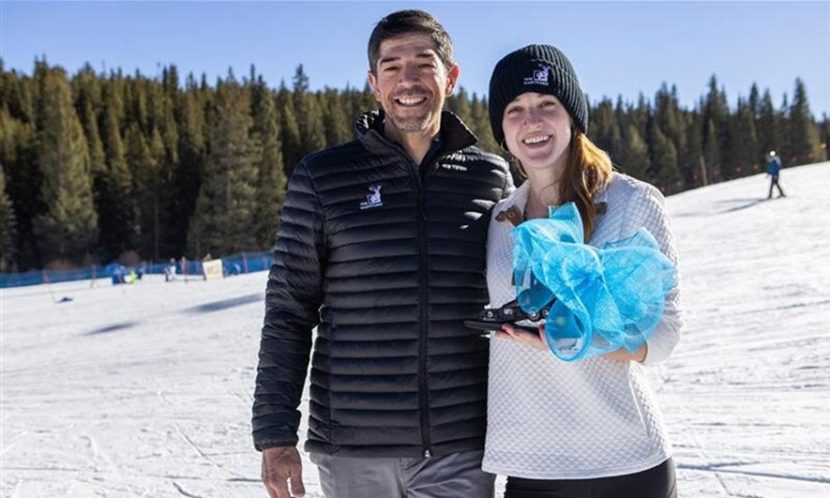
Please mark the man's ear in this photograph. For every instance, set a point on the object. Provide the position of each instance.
(452, 78)
(373, 82)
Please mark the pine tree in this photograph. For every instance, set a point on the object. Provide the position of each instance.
(665, 172)
(634, 158)
(271, 183)
(292, 149)
(97, 158)
(480, 122)
(223, 222)
(8, 131)
(17, 93)
(459, 105)
(669, 118)
(716, 127)
(782, 119)
(138, 104)
(693, 167)
(8, 231)
(142, 162)
(744, 149)
(767, 126)
(159, 196)
(335, 122)
(165, 146)
(170, 83)
(309, 115)
(18, 154)
(804, 134)
(68, 227)
(118, 218)
(88, 95)
(192, 156)
(711, 152)
(366, 101)
(605, 129)
(754, 101)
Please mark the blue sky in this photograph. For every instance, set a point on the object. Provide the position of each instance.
(617, 47)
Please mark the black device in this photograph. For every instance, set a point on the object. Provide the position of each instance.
(511, 313)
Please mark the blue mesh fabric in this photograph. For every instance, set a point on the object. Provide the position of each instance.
(606, 299)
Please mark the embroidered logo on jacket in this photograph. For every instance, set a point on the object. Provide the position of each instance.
(373, 200)
(540, 76)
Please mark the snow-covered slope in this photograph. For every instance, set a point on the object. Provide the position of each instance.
(748, 390)
(145, 390)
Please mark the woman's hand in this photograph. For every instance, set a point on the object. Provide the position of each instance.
(535, 340)
(538, 341)
(622, 354)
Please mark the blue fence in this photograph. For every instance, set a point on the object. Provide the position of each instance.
(234, 264)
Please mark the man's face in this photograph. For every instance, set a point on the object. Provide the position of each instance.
(411, 83)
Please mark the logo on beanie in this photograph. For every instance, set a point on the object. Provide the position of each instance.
(540, 76)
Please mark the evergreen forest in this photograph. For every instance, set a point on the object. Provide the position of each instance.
(100, 167)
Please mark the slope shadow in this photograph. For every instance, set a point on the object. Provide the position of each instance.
(111, 328)
(226, 303)
(747, 203)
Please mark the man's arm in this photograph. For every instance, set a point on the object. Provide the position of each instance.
(292, 302)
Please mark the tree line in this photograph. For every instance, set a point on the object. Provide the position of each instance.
(97, 167)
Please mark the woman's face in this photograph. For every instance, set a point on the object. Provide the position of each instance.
(537, 130)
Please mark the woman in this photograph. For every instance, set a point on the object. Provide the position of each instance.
(589, 428)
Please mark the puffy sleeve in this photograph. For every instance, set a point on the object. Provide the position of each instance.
(292, 298)
(647, 208)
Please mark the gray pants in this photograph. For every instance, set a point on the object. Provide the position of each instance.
(457, 475)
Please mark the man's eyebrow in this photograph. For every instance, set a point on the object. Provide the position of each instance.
(426, 54)
(388, 59)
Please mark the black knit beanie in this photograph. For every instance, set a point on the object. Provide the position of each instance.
(540, 69)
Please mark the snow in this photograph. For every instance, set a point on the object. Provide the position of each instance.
(145, 390)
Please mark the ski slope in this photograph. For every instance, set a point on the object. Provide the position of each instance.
(145, 390)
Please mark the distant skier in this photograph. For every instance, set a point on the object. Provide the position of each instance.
(170, 271)
(773, 170)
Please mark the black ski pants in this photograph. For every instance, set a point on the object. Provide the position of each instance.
(656, 482)
(774, 183)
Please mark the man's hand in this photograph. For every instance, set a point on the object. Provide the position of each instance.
(279, 465)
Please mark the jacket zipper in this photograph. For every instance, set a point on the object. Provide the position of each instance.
(423, 267)
(423, 385)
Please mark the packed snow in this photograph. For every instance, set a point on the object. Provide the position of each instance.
(146, 389)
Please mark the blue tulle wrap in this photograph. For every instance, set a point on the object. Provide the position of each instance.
(606, 299)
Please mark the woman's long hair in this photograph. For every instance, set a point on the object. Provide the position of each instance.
(587, 172)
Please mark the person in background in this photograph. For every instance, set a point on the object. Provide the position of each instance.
(170, 271)
(589, 428)
(774, 171)
(381, 246)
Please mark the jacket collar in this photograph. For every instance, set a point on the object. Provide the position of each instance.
(454, 133)
(512, 208)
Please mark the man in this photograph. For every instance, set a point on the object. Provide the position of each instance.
(381, 245)
(774, 170)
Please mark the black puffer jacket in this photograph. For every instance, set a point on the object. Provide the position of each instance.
(388, 259)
